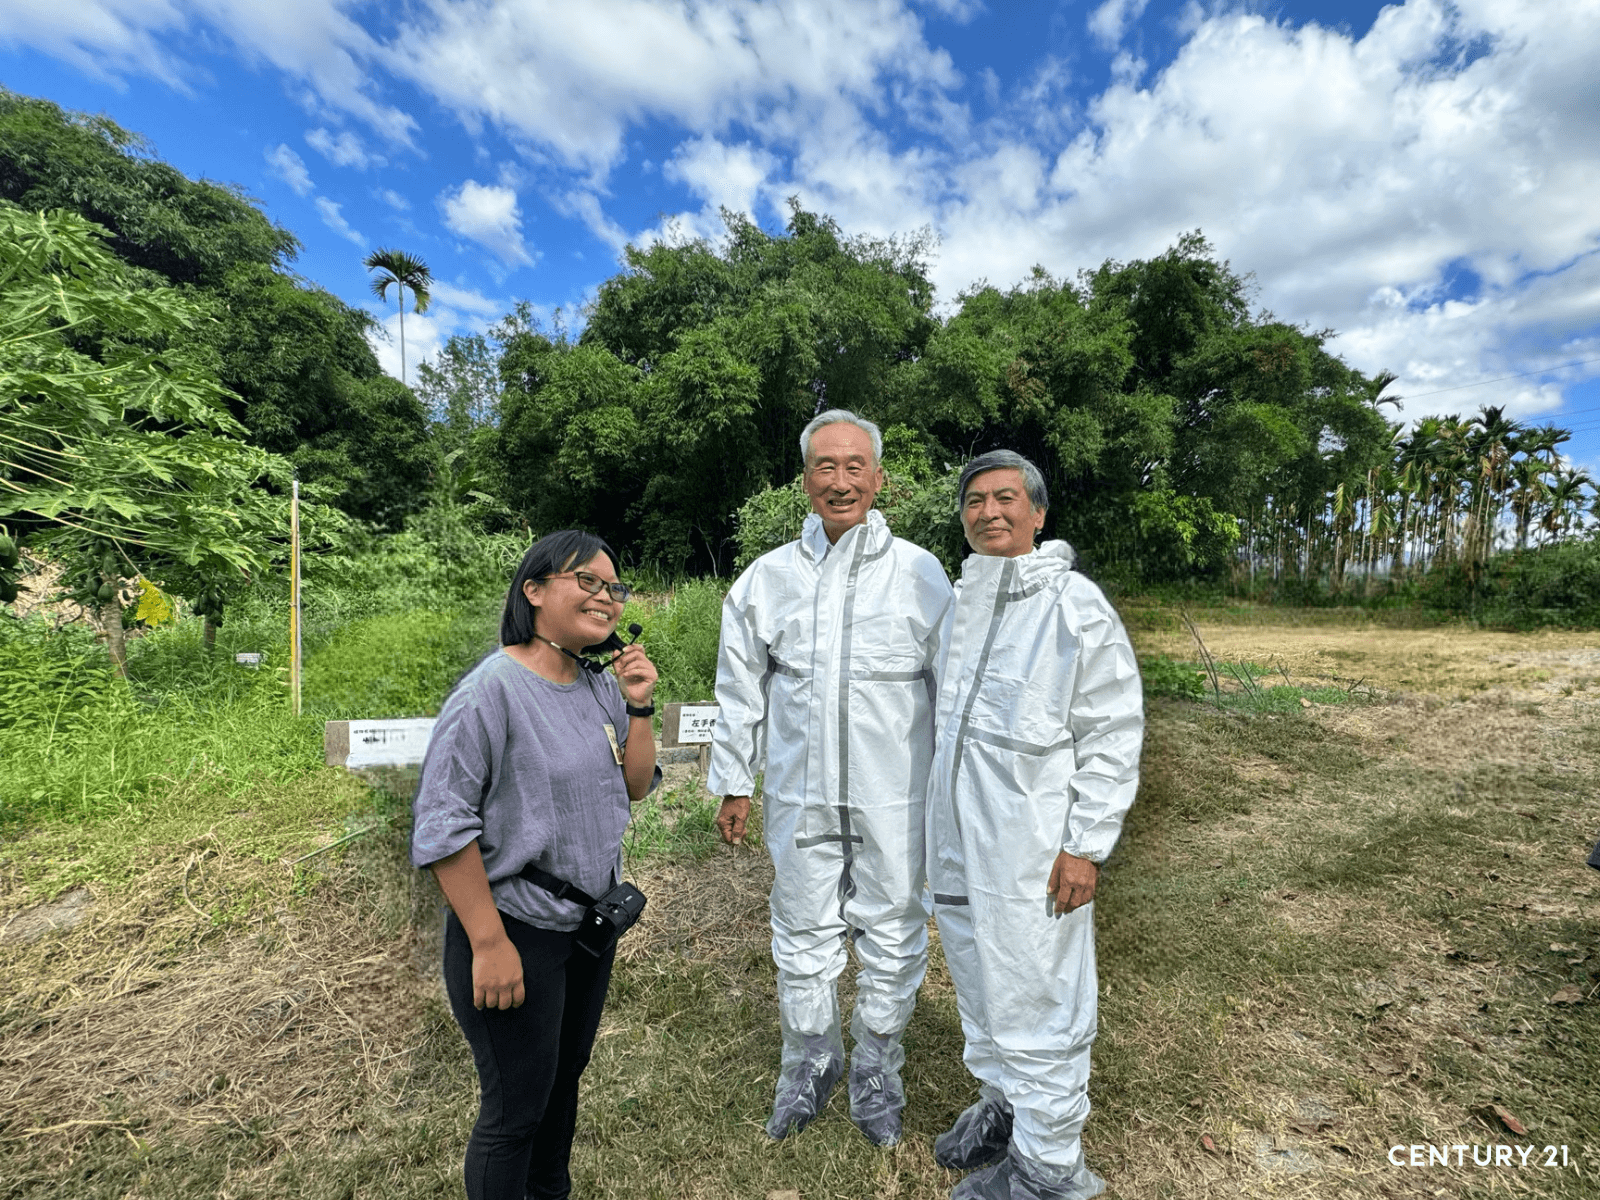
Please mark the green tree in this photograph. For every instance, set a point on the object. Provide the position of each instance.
(307, 387)
(460, 390)
(304, 381)
(185, 231)
(116, 447)
(400, 270)
(695, 373)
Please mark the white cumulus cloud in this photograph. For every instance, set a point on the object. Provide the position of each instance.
(574, 77)
(467, 300)
(291, 168)
(343, 149)
(1111, 20)
(489, 215)
(729, 176)
(334, 220)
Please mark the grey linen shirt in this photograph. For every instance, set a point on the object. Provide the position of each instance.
(524, 766)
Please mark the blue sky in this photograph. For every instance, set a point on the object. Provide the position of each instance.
(1421, 177)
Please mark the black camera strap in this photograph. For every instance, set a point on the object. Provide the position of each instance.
(559, 888)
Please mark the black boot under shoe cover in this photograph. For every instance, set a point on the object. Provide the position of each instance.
(802, 1091)
(980, 1135)
(1018, 1178)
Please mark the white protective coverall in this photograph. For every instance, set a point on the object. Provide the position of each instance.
(825, 681)
(1040, 724)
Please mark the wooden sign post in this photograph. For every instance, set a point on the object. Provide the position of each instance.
(387, 754)
(294, 599)
(686, 732)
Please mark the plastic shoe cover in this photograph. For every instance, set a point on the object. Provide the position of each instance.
(1018, 1178)
(991, 1183)
(803, 1087)
(877, 1096)
(1039, 1181)
(980, 1135)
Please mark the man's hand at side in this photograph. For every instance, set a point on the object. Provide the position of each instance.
(731, 818)
(1072, 882)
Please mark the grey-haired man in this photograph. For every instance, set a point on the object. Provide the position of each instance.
(825, 679)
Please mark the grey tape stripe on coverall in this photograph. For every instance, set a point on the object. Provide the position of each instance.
(880, 676)
(847, 887)
(1002, 598)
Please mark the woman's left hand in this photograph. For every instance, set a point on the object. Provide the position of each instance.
(636, 674)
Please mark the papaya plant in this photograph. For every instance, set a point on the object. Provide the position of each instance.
(116, 449)
(10, 566)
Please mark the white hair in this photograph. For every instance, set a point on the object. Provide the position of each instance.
(839, 414)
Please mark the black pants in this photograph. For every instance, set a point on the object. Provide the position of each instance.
(529, 1060)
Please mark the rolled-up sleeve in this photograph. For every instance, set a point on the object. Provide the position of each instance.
(456, 773)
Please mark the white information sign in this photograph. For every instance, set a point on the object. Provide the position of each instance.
(696, 722)
(394, 743)
(251, 659)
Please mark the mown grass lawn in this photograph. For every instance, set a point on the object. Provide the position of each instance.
(1329, 931)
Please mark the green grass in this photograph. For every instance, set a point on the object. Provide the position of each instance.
(1291, 908)
(678, 823)
(397, 664)
(680, 635)
(79, 745)
(1241, 686)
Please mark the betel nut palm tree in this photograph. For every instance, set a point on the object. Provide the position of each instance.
(402, 270)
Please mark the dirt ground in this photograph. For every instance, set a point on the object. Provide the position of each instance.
(1330, 936)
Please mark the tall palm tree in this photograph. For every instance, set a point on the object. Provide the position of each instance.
(403, 271)
(1492, 443)
(1530, 481)
(1566, 501)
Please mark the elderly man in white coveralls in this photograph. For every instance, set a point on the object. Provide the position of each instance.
(825, 679)
(1039, 728)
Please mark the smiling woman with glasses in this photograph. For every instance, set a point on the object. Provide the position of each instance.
(529, 774)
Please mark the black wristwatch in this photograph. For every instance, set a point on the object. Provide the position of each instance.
(648, 710)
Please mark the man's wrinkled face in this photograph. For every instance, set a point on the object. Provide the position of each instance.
(998, 516)
(842, 476)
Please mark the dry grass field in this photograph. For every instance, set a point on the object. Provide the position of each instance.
(1332, 928)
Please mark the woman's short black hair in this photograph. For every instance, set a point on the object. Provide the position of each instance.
(550, 555)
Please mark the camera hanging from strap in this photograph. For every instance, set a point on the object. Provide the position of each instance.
(605, 919)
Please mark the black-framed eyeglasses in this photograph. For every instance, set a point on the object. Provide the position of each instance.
(592, 584)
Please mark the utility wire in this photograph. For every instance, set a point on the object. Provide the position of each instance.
(1485, 382)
